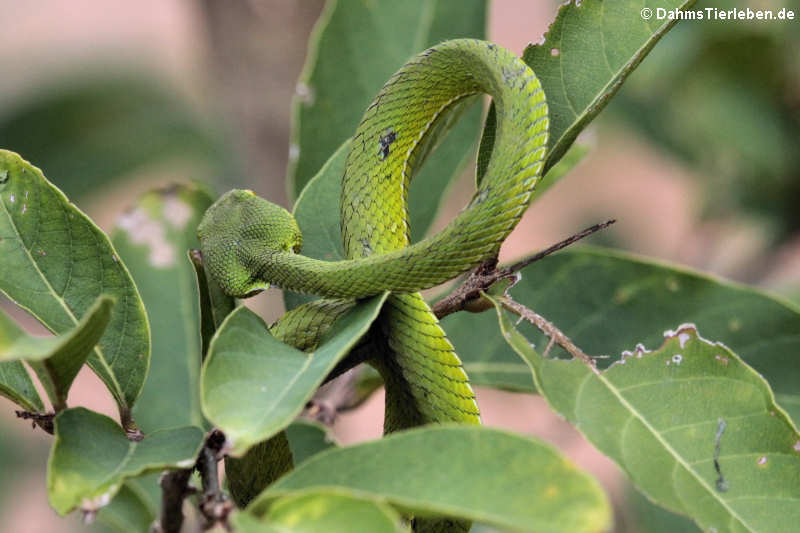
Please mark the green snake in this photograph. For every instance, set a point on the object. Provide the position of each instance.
(250, 244)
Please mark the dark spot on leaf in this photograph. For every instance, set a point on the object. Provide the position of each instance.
(385, 141)
(3, 177)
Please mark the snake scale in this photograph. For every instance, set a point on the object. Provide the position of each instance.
(250, 244)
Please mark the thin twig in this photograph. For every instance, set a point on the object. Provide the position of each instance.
(516, 267)
(467, 296)
(44, 421)
(337, 395)
(548, 328)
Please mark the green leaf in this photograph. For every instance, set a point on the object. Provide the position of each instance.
(323, 511)
(653, 518)
(15, 382)
(694, 427)
(152, 238)
(307, 438)
(56, 262)
(57, 360)
(215, 305)
(253, 385)
(353, 50)
(17, 386)
(607, 302)
(129, 512)
(570, 160)
(93, 130)
(91, 458)
(475, 473)
(588, 52)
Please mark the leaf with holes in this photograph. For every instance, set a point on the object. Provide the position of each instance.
(55, 262)
(92, 457)
(56, 360)
(253, 385)
(503, 479)
(608, 301)
(354, 49)
(695, 428)
(152, 238)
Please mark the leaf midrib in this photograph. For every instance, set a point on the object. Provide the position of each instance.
(59, 299)
(676, 456)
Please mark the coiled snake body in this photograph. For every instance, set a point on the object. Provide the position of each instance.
(249, 244)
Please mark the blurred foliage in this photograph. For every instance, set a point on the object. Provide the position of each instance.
(88, 133)
(724, 96)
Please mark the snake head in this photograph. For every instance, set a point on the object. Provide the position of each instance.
(238, 234)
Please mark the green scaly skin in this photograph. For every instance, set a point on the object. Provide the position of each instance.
(249, 244)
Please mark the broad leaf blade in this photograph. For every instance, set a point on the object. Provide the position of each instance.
(253, 385)
(56, 262)
(588, 52)
(152, 238)
(607, 302)
(474, 473)
(317, 213)
(91, 458)
(324, 511)
(694, 427)
(354, 49)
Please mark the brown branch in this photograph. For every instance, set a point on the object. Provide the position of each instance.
(467, 296)
(174, 489)
(44, 421)
(214, 505)
(548, 328)
(337, 395)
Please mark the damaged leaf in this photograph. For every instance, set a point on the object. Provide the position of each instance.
(695, 428)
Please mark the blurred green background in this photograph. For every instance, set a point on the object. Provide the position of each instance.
(698, 157)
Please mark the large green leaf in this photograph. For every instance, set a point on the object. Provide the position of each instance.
(152, 238)
(91, 130)
(317, 214)
(608, 302)
(585, 57)
(587, 53)
(91, 458)
(56, 360)
(253, 385)
(56, 262)
(354, 49)
(475, 473)
(323, 511)
(694, 427)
